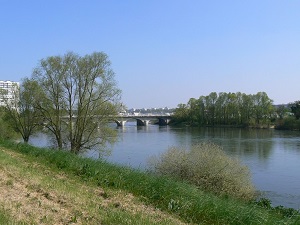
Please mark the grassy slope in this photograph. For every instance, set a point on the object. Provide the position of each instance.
(49, 187)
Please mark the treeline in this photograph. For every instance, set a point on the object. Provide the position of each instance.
(234, 109)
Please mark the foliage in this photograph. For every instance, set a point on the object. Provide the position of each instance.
(79, 95)
(6, 131)
(288, 123)
(21, 113)
(295, 108)
(234, 109)
(185, 201)
(285, 212)
(207, 166)
(281, 111)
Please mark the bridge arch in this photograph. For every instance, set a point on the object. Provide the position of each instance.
(140, 122)
(120, 123)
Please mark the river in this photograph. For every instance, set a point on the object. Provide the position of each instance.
(272, 156)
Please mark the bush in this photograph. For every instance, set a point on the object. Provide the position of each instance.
(6, 131)
(207, 166)
(288, 123)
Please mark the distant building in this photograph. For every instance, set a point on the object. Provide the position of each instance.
(10, 88)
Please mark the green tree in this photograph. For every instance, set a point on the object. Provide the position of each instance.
(295, 108)
(232, 109)
(211, 107)
(194, 111)
(246, 108)
(281, 111)
(221, 108)
(20, 112)
(79, 97)
(181, 113)
(6, 131)
(263, 107)
(202, 118)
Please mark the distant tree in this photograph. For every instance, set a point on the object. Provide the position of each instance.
(246, 108)
(281, 111)
(79, 97)
(211, 107)
(295, 108)
(181, 113)
(20, 112)
(263, 107)
(194, 111)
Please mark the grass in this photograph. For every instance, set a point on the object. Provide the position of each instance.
(6, 219)
(95, 192)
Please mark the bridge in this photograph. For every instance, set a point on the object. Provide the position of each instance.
(143, 119)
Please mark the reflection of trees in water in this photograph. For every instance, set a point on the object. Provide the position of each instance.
(235, 141)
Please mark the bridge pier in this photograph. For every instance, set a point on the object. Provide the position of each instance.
(163, 122)
(120, 123)
(140, 122)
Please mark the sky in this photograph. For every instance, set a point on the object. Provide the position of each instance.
(163, 52)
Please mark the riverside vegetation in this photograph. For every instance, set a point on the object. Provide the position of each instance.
(238, 110)
(41, 186)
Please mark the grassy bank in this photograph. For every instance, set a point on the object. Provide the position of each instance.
(69, 189)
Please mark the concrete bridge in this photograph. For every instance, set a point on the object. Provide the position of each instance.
(143, 119)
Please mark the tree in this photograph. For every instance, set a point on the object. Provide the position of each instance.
(210, 105)
(263, 107)
(6, 131)
(181, 113)
(281, 110)
(194, 111)
(295, 108)
(79, 97)
(20, 110)
(246, 108)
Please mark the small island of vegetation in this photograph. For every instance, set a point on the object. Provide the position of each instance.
(238, 110)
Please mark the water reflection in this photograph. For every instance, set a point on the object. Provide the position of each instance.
(236, 142)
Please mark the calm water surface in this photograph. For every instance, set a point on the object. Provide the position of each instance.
(272, 156)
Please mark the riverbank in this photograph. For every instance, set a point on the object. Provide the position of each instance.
(49, 187)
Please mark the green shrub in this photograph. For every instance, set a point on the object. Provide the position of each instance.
(288, 123)
(6, 131)
(207, 166)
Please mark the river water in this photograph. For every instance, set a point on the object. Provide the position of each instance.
(272, 156)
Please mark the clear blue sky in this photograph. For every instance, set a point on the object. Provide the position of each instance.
(163, 51)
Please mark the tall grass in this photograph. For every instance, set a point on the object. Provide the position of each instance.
(182, 199)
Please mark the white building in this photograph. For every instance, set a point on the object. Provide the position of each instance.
(10, 88)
